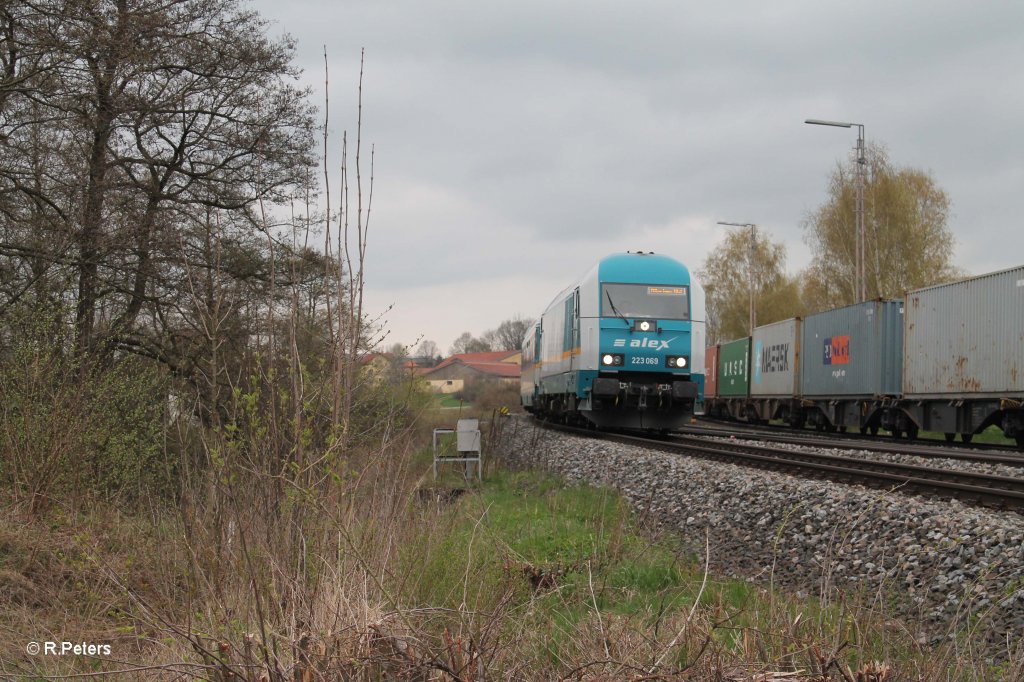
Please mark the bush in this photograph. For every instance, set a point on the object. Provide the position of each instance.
(490, 394)
(66, 428)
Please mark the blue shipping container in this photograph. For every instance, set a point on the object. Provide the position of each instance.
(856, 351)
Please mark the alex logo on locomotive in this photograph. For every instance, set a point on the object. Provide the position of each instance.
(653, 344)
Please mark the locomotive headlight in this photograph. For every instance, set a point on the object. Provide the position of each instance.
(645, 326)
(677, 361)
(611, 359)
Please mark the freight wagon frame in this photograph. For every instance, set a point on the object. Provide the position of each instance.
(963, 362)
(838, 369)
(948, 358)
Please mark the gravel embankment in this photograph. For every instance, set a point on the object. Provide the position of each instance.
(944, 560)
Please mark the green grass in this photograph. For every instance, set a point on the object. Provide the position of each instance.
(599, 567)
(604, 578)
(568, 538)
(992, 434)
(448, 401)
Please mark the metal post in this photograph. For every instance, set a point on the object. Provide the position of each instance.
(750, 272)
(750, 268)
(862, 244)
(861, 249)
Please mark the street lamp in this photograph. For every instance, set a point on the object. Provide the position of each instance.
(861, 277)
(750, 267)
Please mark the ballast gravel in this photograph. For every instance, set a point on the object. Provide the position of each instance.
(946, 563)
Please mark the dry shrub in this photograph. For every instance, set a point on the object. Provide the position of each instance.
(486, 395)
(323, 582)
(72, 429)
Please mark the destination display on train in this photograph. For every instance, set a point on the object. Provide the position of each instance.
(666, 291)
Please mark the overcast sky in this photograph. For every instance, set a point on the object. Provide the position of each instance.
(519, 142)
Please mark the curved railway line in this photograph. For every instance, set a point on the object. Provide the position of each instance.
(1003, 492)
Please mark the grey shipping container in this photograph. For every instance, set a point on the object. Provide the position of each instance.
(856, 351)
(774, 364)
(734, 368)
(967, 337)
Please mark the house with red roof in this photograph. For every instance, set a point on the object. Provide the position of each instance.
(451, 375)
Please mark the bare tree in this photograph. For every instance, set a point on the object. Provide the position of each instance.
(461, 344)
(428, 349)
(510, 333)
(154, 114)
(467, 343)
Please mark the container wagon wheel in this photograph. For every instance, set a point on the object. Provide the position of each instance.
(1020, 441)
(873, 429)
(967, 437)
(896, 433)
(950, 437)
(912, 432)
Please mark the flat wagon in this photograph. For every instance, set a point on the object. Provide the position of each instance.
(963, 362)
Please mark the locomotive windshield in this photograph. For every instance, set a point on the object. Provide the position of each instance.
(656, 301)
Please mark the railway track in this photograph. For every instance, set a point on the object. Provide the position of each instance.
(1003, 492)
(992, 455)
(780, 433)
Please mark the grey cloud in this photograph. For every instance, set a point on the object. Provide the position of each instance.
(512, 138)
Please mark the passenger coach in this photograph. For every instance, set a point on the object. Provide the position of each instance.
(621, 348)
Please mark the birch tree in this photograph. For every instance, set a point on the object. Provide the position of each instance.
(726, 275)
(909, 243)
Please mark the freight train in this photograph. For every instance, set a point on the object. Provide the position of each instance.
(947, 358)
(621, 348)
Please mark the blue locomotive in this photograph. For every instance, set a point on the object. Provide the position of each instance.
(622, 348)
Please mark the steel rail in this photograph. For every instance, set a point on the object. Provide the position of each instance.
(1004, 492)
(850, 441)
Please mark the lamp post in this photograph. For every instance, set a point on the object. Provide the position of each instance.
(861, 277)
(750, 267)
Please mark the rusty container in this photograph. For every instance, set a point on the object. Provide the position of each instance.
(966, 338)
(711, 372)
